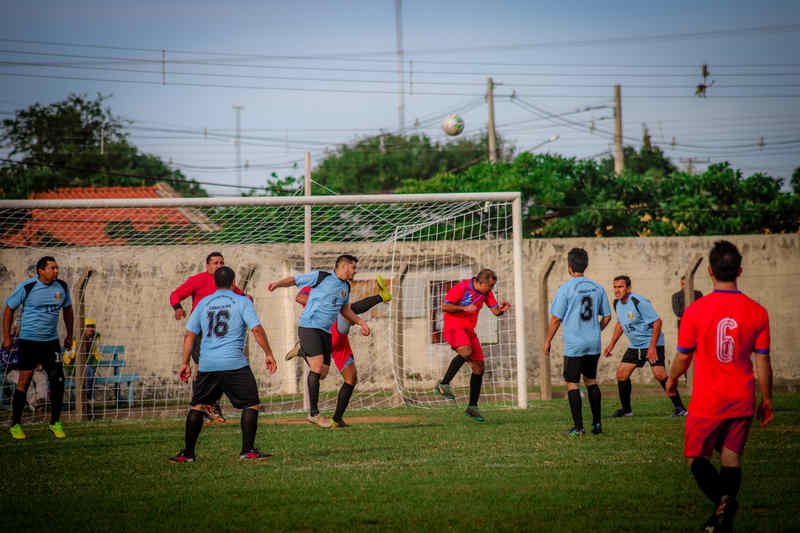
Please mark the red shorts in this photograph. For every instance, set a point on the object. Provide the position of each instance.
(704, 435)
(341, 352)
(457, 337)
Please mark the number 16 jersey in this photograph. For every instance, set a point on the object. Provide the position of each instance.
(224, 318)
(578, 303)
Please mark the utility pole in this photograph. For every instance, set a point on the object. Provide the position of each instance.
(492, 139)
(619, 158)
(401, 105)
(238, 143)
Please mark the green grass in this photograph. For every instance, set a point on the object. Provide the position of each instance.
(435, 470)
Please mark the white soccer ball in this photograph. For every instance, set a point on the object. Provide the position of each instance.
(453, 125)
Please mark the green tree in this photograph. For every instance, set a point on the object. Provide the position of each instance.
(649, 159)
(58, 145)
(796, 181)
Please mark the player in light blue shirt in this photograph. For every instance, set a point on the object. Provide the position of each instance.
(640, 322)
(224, 318)
(582, 306)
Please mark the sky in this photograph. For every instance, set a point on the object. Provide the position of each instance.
(311, 77)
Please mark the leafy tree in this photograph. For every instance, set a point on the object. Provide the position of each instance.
(648, 159)
(58, 145)
(796, 181)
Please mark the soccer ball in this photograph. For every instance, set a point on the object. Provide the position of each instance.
(453, 125)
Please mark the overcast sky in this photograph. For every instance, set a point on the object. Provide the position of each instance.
(312, 76)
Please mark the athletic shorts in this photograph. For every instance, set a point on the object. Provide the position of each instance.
(704, 435)
(341, 352)
(638, 357)
(458, 337)
(238, 385)
(35, 353)
(582, 364)
(313, 342)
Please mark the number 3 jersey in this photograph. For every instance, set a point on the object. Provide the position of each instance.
(578, 303)
(723, 329)
(224, 318)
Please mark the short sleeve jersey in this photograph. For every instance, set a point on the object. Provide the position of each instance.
(578, 303)
(224, 318)
(464, 293)
(40, 308)
(324, 301)
(723, 329)
(636, 317)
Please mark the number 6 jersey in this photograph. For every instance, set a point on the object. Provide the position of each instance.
(578, 303)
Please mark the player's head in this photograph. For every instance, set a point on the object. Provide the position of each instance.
(622, 287)
(214, 260)
(577, 260)
(223, 277)
(346, 266)
(89, 327)
(484, 281)
(725, 261)
(47, 269)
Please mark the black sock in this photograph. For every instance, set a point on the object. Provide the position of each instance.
(475, 382)
(342, 400)
(707, 478)
(249, 423)
(730, 479)
(362, 306)
(452, 370)
(17, 405)
(575, 406)
(194, 424)
(624, 388)
(56, 393)
(676, 400)
(313, 392)
(595, 402)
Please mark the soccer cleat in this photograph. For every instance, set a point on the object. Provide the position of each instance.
(16, 432)
(294, 352)
(58, 430)
(444, 390)
(383, 291)
(215, 413)
(182, 457)
(255, 453)
(319, 420)
(680, 411)
(619, 413)
(207, 418)
(724, 514)
(576, 432)
(473, 413)
(339, 424)
(597, 428)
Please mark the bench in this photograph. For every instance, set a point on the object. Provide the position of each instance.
(115, 379)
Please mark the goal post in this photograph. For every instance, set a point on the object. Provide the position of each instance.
(138, 251)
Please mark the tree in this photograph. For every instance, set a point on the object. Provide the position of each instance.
(58, 145)
(796, 181)
(648, 159)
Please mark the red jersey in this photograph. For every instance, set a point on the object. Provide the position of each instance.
(723, 329)
(464, 293)
(198, 287)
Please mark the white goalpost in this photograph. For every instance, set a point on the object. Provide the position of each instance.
(123, 257)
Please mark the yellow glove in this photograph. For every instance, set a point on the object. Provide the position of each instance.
(69, 356)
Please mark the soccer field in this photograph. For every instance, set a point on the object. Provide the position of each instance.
(405, 469)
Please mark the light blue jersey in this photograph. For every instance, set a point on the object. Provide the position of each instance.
(636, 318)
(324, 301)
(578, 303)
(40, 308)
(224, 318)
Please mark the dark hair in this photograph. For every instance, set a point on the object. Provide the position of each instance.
(624, 278)
(578, 260)
(725, 261)
(41, 264)
(223, 277)
(486, 275)
(346, 258)
(211, 255)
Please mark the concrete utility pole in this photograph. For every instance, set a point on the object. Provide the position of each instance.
(401, 104)
(619, 158)
(238, 143)
(492, 138)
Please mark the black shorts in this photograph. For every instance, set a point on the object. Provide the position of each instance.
(638, 357)
(35, 353)
(238, 385)
(313, 342)
(584, 364)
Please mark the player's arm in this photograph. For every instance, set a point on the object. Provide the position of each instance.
(188, 342)
(500, 309)
(69, 322)
(285, 282)
(178, 295)
(652, 353)
(447, 307)
(679, 367)
(614, 338)
(555, 322)
(8, 319)
(764, 370)
(261, 338)
(354, 319)
(301, 298)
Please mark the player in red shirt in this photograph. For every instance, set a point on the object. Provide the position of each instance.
(461, 306)
(722, 330)
(198, 287)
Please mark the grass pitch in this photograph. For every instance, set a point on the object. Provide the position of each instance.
(397, 470)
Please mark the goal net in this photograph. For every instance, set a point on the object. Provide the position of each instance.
(122, 258)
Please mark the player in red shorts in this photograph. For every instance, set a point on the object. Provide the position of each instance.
(461, 306)
(722, 330)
